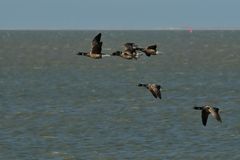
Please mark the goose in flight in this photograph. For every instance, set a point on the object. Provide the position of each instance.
(149, 50)
(96, 48)
(206, 110)
(153, 88)
(129, 52)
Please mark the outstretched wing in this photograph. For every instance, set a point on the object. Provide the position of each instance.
(153, 47)
(96, 40)
(205, 114)
(97, 49)
(130, 47)
(156, 90)
(153, 92)
(159, 94)
(215, 113)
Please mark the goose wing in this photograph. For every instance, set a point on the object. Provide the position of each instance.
(158, 91)
(97, 49)
(130, 47)
(96, 40)
(205, 114)
(153, 47)
(155, 92)
(215, 113)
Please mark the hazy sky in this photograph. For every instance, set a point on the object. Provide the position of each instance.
(118, 14)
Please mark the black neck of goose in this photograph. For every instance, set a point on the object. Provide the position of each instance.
(197, 108)
(117, 53)
(82, 53)
(142, 85)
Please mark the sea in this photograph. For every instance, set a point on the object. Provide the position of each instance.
(56, 105)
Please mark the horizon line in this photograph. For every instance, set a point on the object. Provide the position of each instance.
(120, 29)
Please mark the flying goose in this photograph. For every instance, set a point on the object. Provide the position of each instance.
(153, 88)
(129, 51)
(150, 50)
(206, 110)
(96, 48)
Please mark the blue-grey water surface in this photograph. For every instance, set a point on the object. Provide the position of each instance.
(57, 105)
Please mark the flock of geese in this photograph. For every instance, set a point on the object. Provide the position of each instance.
(132, 51)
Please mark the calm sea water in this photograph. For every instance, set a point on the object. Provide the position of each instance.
(56, 105)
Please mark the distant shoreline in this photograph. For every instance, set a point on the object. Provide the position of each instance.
(128, 29)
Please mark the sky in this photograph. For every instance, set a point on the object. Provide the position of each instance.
(118, 14)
